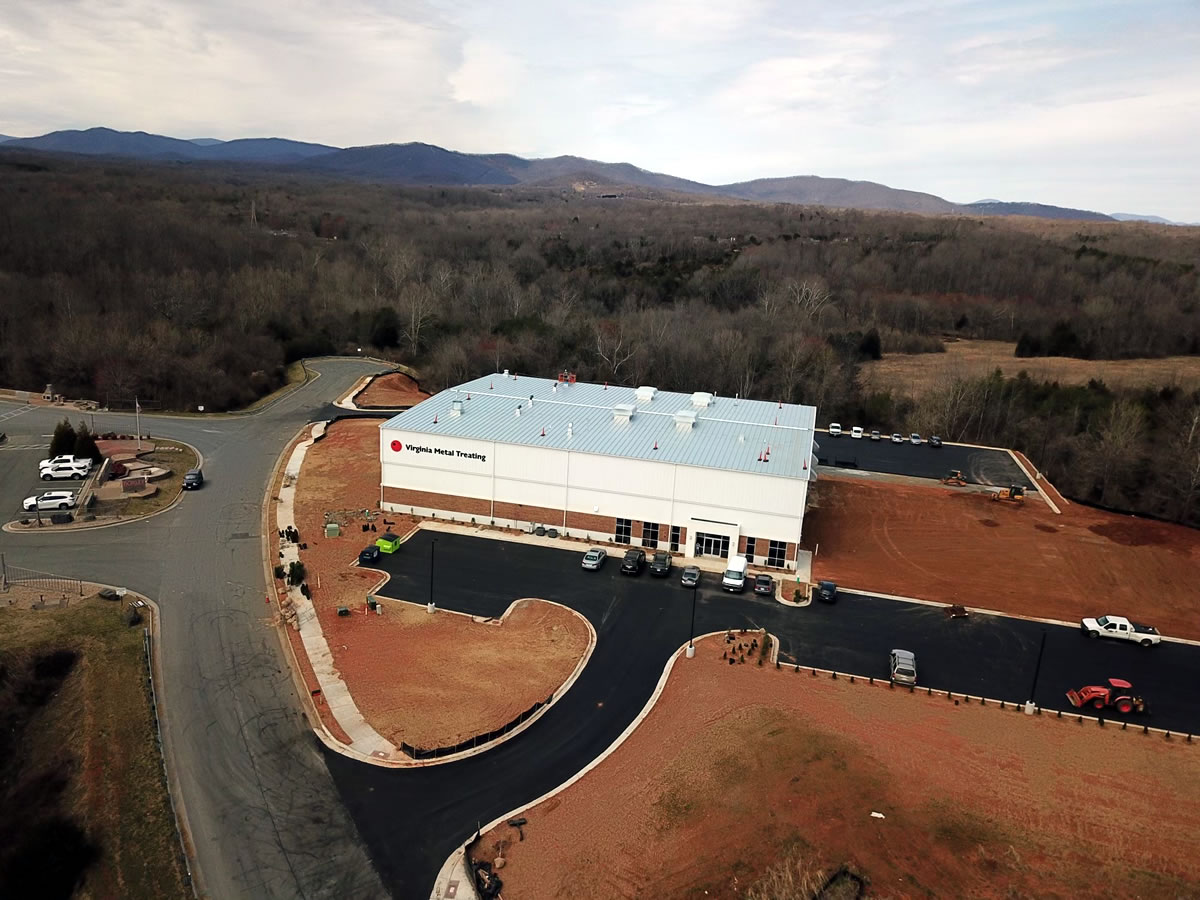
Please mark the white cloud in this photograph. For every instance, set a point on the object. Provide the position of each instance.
(487, 75)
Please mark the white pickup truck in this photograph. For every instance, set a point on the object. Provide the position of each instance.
(64, 460)
(1121, 628)
(77, 469)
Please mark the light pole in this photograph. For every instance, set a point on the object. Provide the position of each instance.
(432, 551)
(691, 647)
(1037, 669)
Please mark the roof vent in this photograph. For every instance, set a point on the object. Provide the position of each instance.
(623, 412)
(702, 399)
(456, 407)
(570, 429)
(685, 419)
(506, 373)
(646, 393)
(518, 409)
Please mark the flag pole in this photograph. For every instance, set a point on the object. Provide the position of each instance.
(137, 412)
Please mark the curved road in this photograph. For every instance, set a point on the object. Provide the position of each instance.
(264, 814)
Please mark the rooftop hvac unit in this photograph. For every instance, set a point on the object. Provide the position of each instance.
(702, 399)
(685, 419)
(623, 412)
(646, 393)
(456, 407)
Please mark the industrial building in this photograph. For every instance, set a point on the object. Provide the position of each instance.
(694, 473)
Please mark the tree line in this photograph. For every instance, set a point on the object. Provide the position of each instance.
(188, 286)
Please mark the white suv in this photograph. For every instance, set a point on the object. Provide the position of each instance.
(856, 432)
(50, 500)
(77, 469)
(835, 430)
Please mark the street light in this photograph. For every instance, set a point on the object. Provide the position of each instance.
(432, 550)
(691, 647)
(1037, 669)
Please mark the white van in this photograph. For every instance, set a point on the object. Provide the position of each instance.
(734, 578)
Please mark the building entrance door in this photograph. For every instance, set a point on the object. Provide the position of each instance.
(712, 545)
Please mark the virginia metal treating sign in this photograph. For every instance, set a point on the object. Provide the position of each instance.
(399, 447)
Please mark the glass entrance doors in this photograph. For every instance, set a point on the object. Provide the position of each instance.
(712, 545)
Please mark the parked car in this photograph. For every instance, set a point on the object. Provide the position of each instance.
(690, 576)
(915, 438)
(1118, 627)
(902, 667)
(935, 441)
(64, 459)
(827, 592)
(594, 558)
(3, 437)
(66, 470)
(835, 430)
(368, 556)
(660, 566)
(634, 562)
(856, 432)
(876, 436)
(897, 438)
(193, 480)
(764, 584)
(50, 500)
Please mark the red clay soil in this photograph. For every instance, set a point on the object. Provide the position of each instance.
(738, 766)
(957, 546)
(1043, 484)
(391, 391)
(428, 680)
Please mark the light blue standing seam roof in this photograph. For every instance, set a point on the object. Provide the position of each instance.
(729, 433)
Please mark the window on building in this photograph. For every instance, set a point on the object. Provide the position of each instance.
(674, 538)
(749, 549)
(624, 531)
(776, 553)
(650, 534)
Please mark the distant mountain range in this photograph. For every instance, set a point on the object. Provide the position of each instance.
(425, 164)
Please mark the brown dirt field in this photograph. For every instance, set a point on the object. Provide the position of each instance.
(956, 546)
(914, 374)
(428, 680)
(391, 391)
(738, 765)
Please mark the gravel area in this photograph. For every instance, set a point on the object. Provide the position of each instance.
(427, 680)
(957, 546)
(736, 766)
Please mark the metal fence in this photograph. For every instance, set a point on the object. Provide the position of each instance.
(42, 581)
(472, 742)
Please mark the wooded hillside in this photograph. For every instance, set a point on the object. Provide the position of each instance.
(197, 286)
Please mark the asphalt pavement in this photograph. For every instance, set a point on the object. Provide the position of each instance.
(639, 622)
(980, 465)
(265, 816)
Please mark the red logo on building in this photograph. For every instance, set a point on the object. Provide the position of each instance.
(397, 446)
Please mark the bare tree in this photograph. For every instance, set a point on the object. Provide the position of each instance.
(614, 347)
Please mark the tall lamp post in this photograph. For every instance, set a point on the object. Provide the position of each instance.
(691, 647)
(1037, 670)
(432, 551)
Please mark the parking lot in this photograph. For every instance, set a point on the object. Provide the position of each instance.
(980, 465)
(991, 656)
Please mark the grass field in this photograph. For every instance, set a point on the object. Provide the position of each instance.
(83, 808)
(915, 374)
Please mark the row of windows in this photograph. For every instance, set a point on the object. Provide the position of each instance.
(775, 556)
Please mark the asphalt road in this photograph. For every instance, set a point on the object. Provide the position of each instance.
(979, 464)
(639, 622)
(265, 815)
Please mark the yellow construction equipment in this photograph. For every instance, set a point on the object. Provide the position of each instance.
(1014, 493)
(956, 478)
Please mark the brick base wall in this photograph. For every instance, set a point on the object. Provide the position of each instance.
(588, 522)
(519, 512)
(468, 506)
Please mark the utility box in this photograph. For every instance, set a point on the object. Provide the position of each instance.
(332, 529)
(343, 610)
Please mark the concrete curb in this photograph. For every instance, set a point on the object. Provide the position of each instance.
(1033, 481)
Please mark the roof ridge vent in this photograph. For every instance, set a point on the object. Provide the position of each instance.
(702, 399)
(623, 412)
(685, 419)
(456, 407)
(646, 393)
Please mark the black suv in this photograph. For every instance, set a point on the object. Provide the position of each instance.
(633, 562)
(193, 479)
(660, 566)
(827, 592)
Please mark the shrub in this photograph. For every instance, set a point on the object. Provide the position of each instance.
(63, 440)
(296, 573)
(279, 572)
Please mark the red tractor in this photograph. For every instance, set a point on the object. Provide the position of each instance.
(1117, 694)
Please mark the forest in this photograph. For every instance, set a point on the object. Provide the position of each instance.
(197, 285)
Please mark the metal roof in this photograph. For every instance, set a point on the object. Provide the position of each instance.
(734, 434)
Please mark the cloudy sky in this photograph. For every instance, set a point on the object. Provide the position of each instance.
(1089, 104)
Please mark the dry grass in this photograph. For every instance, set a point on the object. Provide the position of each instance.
(914, 375)
(83, 802)
(178, 460)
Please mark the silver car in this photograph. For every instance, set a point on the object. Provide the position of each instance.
(902, 666)
(690, 576)
(594, 559)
